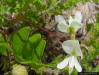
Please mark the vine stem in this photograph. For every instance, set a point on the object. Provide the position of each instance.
(72, 36)
(8, 53)
(40, 27)
(29, 22)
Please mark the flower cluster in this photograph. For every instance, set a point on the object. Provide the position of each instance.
(74, 23)
(71, 47)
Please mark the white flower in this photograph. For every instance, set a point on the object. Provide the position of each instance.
(73, 22)
(19, 70)
(71, 47)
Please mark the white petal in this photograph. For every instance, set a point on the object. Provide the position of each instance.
(70, 71)
(62, 27)
(72, 62)
(77, 65)
(77, 48)
(63, 64)
(76, 25)
(68, 46)
(78, 17)
(70, 20)
(60, 19)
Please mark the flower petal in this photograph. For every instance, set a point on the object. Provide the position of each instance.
(68, 46)
(71, 20)
(78, 17)
(77, 65)
(77, 48)
(64, 63)
(76, 25)
(62, 27)
(60, 19)
(70, 71)
(71, 63)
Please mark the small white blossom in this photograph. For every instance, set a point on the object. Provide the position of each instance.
(73, 22)
(71, 47)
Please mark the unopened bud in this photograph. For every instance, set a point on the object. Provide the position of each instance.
(19, 70)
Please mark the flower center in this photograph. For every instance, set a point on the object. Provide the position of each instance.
(70, 30)
(74, 53)
(70, 68)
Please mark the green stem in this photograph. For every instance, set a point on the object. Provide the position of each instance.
(72, 36)
(8, 53)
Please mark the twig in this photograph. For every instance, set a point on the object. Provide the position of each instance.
(29, 22)
(41, 28)
(8, 53)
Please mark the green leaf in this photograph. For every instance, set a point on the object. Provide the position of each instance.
(74, 72)
(34, 39)
(31, 45)
(97, 18)
(3, 51)
(96, 69)
(55, 61)
(40, 48)
(3, 47)
(89, 69)
(39, 51)
(1, 38)
(27, 49)
(88, 27)
(35, 66)
(96, 1)
(18, 42)
(40, 67)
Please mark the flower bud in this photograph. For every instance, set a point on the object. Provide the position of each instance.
(19, 70)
